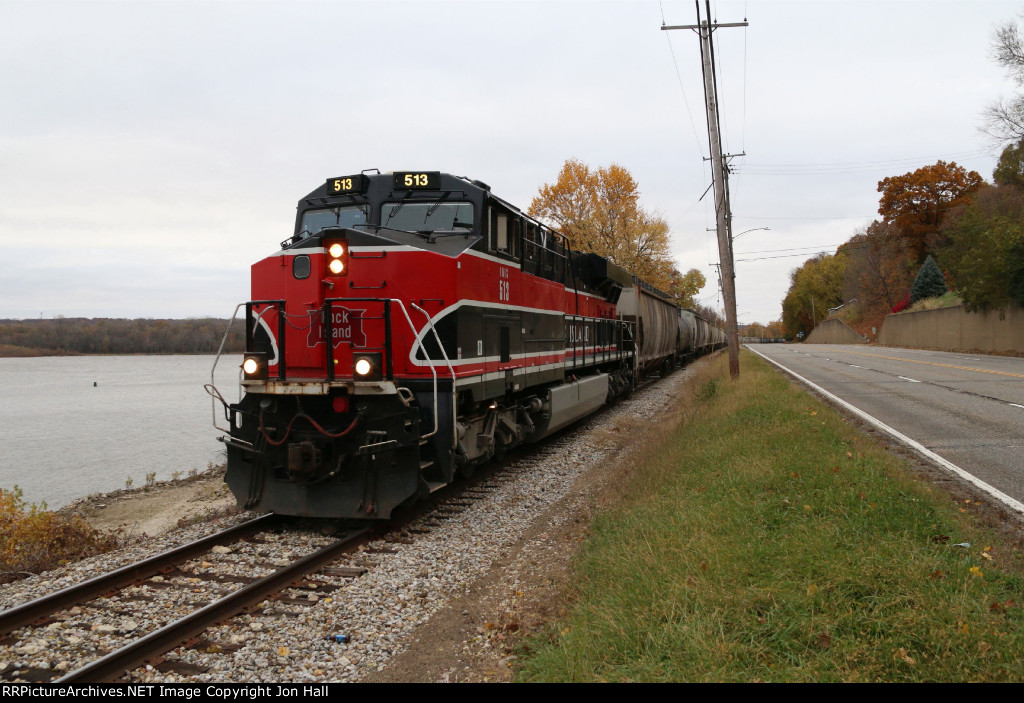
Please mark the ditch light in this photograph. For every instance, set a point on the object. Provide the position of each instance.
(368, 367)
(254, 366)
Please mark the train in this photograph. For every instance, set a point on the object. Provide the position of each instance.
(415, 326)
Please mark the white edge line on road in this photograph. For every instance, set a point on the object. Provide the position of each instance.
(912, 380)
(1017, 406)
(1006, 500)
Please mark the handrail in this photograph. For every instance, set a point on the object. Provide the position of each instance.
(213, 385)
(433, 371)
(433, 330)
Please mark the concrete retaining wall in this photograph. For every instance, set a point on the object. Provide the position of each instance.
(834, 331)
(954, 328)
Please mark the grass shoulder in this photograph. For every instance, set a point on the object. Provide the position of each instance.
(766, 539)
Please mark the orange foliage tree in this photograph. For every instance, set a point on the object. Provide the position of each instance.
(879, 270)
(916, 203)
(599, 211)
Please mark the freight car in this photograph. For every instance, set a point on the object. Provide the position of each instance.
(416, 325)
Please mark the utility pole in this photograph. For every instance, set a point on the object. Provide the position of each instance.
(719, 173)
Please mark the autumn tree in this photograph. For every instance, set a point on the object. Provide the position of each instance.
(709, 314)
(683, 287)
(774, 329)
(879, 270)
(598, 210)
(915, 204)
(815, 287)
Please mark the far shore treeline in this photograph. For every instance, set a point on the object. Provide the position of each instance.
(79, 335)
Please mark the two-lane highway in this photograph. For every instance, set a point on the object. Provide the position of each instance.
(966, 408)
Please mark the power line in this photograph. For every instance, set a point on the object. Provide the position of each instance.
(976, 152)
(838, 217)
(682, 88)
(772, 251)
(839, 168)
(808, 254)
(922, 207)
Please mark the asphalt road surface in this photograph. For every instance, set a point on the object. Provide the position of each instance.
(967, 408)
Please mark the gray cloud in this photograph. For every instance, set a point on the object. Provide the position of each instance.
(152, 151)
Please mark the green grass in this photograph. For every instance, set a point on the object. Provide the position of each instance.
(764, 539)
(947, 300)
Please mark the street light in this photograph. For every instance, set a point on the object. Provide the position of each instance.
(748, 230)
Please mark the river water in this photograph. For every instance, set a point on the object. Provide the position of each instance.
(75, 425)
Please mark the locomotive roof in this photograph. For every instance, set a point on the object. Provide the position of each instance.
(446, 183)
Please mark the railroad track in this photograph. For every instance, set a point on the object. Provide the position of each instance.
(154, 573)
(167, 570)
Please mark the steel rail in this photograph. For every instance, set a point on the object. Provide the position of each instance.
(36, 611)
(114, 665)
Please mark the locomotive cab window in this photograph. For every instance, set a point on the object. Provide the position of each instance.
(555, 264)
(531, 257)
(315, 220)
(503, 234)
(428, 216)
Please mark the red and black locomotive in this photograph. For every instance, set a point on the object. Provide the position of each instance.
(413, 327)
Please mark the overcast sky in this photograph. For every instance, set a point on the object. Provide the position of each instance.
(150, 152)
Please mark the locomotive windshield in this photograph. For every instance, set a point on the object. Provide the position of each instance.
(315, 220)
(427, 217)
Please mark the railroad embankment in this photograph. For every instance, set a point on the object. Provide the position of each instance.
(767, 538)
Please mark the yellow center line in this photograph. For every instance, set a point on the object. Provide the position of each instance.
(932, 363)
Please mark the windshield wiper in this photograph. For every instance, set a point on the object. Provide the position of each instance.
(433, 208)
(397, 208)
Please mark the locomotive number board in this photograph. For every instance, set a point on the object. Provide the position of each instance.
(410, 180)
(346, 184)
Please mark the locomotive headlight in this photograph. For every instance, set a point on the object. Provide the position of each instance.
(337, 257)
(254, 366)
(368, 366)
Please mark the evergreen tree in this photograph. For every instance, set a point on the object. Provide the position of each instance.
(930, 283)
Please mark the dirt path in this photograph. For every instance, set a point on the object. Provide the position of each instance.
(153, 510)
